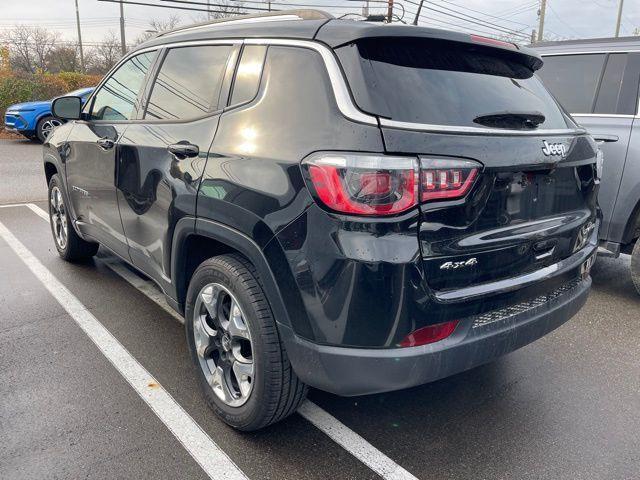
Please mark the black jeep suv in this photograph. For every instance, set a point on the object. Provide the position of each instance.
(350, 206)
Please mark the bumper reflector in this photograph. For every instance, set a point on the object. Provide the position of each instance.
(430, 334)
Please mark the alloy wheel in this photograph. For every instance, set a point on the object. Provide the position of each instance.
(223, 344)
(58, 215)
(49, 125)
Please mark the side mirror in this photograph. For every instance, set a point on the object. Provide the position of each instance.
(67, 108)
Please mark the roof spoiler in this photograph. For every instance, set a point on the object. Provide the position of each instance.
(331, 34)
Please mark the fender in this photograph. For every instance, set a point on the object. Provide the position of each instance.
(285, 302)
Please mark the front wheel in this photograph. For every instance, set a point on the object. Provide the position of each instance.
(68, 243)
(45, 127)
(242, 366)
(635, 265)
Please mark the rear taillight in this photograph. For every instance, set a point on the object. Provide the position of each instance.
(430, 334)
(363, 184)
(446, 178)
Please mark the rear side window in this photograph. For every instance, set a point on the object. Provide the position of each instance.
(117, 97)
(443, 83)
(610, 91)
(247, 81)
(573, 79)
(188, 83)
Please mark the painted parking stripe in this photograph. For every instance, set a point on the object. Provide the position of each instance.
(324, 421)
(200, 446)
(353, 443)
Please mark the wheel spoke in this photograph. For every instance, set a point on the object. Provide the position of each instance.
(237, 327)
(244, 376)
(209, 297)
(218, 382)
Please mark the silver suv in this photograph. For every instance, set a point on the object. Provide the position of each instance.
(597, 82)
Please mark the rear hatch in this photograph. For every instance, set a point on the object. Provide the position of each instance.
(508, 182)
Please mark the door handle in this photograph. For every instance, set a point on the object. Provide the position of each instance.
(105, 143)
(603, 137)
(184, 149)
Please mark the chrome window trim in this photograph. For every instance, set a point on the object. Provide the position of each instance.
(423, 127)
(586, 52)
(341, 91)
(338, 82)
(611, 115)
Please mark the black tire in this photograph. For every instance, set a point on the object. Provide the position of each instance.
(276, 390)
(635, 265)
(74, 249)
(42, 129)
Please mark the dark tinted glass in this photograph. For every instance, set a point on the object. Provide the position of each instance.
(573, 79)
(442, 83)
(116, 99)
(611, 85)
(248, 74)
(188, 84)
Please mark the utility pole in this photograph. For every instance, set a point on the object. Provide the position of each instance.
(533, 36)
(123, 43)
(80, 38)
(415, 20)
(208, 10)
(543, 8)
(365, 9)
(269, 4)
(619, 18)
(390, 12)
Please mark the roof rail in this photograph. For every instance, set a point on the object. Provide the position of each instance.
(303, 14)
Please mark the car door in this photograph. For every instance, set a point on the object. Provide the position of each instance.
(92, 143)
(600, 90)
(162, 155)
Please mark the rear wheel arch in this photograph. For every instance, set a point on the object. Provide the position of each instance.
(50, 170)
(196, 240)
(632, 229)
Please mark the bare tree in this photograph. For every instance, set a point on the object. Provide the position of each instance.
(104, 55)
(63, 59)
(29, 47)
(227, 8)
(156, 26)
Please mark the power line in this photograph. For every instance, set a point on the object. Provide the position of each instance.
(469, 19)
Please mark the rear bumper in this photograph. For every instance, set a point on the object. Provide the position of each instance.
(361, 371)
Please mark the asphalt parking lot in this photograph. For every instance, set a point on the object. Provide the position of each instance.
(565, 407)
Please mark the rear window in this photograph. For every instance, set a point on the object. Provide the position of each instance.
(443, 83)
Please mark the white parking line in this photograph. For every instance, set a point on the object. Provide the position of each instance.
(324, 421)
(202, 448)
(353, 443)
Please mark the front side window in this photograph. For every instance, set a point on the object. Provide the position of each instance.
(573, 79)
(188, 83)
(117, 97)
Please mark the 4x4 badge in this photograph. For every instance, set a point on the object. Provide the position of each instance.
(455, 265)
(554, 149)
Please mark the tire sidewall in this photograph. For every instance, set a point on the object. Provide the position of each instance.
(252, 410)
(635, 265)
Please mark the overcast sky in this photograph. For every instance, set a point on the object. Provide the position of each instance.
(564, 19)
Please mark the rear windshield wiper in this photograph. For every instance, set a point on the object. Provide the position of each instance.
(513, 120)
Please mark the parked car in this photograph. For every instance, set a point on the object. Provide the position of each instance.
(597, 81)
(317, 227)
(34, 119)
